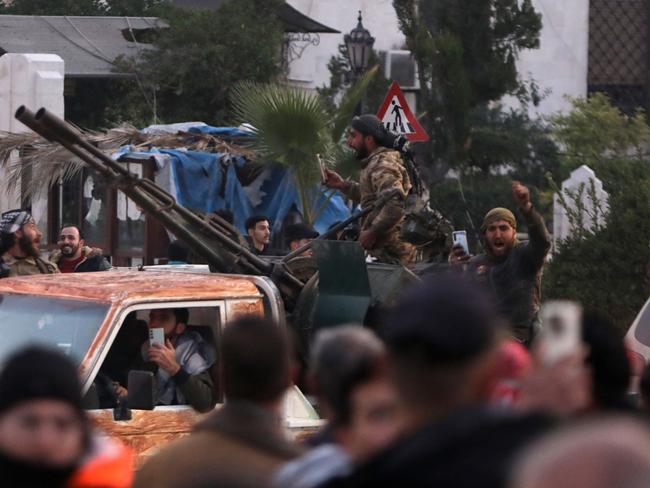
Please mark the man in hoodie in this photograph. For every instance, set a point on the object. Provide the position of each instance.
(73, 256)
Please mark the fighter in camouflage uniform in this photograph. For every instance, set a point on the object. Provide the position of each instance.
(382, 170)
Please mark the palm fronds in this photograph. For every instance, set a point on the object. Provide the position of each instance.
(291, 126)
(28, 157)
(350, 101)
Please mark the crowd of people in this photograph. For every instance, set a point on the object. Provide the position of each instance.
(452, 388)
(439, 394)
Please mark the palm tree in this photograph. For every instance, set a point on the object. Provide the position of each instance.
(292, 127)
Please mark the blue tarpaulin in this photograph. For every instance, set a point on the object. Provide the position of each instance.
(208, 181)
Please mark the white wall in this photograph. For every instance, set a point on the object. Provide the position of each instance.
(379, 18)
(33, 80)
(560, 65)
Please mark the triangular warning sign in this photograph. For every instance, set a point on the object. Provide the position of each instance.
(396, 115)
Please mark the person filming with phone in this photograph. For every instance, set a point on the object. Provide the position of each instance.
(382, 170)
(180, 358)
(511, 269)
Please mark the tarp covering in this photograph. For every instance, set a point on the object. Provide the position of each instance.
(208, 181)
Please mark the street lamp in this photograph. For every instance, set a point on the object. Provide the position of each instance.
(359, 44)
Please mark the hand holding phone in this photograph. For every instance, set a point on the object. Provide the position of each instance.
(561, 334)
(459, 238)
(157, 336)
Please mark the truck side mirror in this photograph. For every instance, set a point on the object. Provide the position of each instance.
(141, 390)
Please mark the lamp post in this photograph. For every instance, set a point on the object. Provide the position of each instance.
(359, 44)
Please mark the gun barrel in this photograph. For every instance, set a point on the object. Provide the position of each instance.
(207, 237)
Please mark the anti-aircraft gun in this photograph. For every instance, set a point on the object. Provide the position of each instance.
(344, 289)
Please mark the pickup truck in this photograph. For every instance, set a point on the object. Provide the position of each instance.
(81, 314)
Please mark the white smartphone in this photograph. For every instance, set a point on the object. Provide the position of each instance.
(561, 333)
(321, 167)
(157, 336)
(459, 237)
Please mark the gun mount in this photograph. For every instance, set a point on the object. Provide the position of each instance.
(212, 238)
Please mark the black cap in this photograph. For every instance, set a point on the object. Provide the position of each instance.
(38, 373)
(369, 125)
(295, 232)
(447, 319)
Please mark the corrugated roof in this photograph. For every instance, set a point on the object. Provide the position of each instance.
(88, 45)
(292, 19)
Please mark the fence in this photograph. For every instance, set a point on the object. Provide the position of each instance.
(618, 52)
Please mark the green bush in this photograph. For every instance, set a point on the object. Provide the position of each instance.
(608, 269)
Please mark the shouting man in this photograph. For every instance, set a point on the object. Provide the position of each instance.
(512, 270)
(19, 240)
(382, 170)
(73, 256)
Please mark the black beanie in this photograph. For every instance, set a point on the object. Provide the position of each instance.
(446, 319)
(38, 373)
(370, 125)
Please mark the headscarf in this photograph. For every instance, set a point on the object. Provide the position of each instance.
(498, 213)
(13, 220)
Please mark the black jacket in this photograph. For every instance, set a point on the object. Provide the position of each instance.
(93, 260)
(516, 280)
(473, 447)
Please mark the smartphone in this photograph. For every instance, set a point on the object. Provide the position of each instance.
(321, 167)
(459, 237)
(561, 333)
(157, 336)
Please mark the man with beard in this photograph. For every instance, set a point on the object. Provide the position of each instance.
(19, 240)
(73, 256)
(382, 170)
(45, 438)
(512, 270)
(182, 363)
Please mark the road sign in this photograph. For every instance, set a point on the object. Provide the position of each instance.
(396, 115)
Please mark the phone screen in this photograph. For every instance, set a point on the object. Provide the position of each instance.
(460, 237)
(561, 333)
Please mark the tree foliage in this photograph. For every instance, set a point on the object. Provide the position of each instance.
(596, 131)
(342, 80)
(202, 55)
(80, 7)
(607, 267)
(466, 54)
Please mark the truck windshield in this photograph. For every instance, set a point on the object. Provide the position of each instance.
(67, 325)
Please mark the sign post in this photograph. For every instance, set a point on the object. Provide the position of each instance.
(396, 115)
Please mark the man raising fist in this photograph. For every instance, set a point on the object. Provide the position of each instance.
(512, 270)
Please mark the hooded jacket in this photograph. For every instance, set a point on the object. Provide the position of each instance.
(93, 260)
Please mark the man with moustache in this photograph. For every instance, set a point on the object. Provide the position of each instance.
(73, 256)
(382, 170)
(512, 270)
(19, 240)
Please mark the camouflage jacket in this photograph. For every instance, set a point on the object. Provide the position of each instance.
(382, 171)
(28, 266)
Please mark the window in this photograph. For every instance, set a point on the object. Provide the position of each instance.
(68, 325)
(195, 350)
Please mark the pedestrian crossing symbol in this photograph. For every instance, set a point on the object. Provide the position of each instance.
(397, 116)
